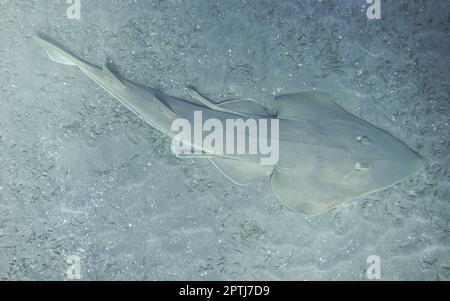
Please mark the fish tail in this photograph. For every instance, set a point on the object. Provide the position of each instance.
(56, 54)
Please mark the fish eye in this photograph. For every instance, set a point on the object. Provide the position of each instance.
(362, 166)
(363, 140)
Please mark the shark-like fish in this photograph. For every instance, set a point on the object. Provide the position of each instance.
(326, 155)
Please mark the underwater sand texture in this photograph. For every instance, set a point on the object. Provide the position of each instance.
(81, 175)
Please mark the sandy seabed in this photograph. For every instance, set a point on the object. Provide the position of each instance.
(82, 176)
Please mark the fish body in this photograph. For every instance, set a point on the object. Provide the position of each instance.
(326, 155)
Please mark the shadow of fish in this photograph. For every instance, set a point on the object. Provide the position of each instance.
(326, 155)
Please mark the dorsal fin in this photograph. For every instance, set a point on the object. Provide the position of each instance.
(164, 107)
(112, 78)
(245, 106)
(207, 103)
(307, 105)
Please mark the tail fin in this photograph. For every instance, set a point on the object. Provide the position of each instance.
(57, 54)
(104, 77)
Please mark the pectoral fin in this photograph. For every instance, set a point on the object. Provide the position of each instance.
(246, 106)
(306, 105)
(242, 172)
(305, 193)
